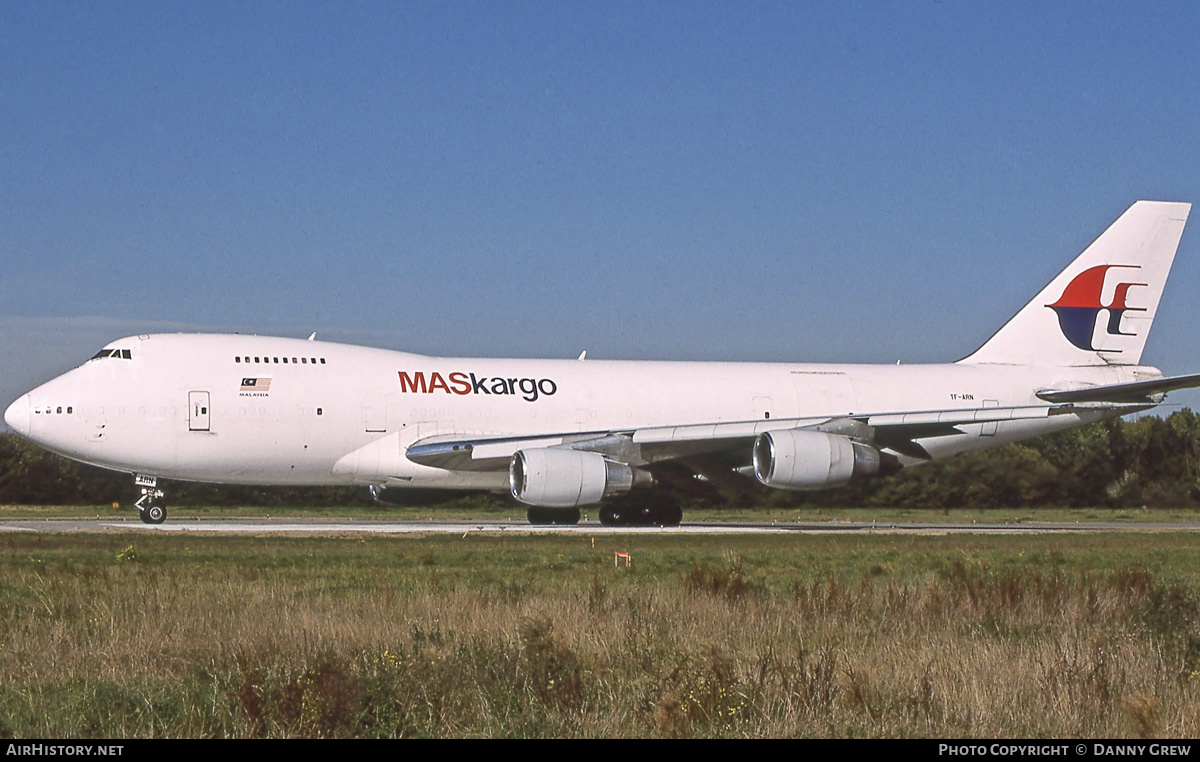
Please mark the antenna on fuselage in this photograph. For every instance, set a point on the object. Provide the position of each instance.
(312, 336)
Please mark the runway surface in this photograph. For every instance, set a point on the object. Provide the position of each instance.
(327, 527)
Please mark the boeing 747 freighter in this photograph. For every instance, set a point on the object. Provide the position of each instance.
(560, 434)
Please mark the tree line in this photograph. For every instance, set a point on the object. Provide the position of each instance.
(1150, 461)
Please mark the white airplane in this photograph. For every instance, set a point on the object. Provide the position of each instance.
(559, 434)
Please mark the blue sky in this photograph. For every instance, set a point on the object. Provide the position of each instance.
(866, 182)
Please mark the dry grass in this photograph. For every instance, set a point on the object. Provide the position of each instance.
(422, 638)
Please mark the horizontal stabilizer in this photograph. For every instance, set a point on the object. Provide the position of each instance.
(1135, 391)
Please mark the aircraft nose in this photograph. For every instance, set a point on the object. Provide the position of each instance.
(17, 416)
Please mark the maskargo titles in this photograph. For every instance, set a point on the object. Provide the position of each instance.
(468, 383)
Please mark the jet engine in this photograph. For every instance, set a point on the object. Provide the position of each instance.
(799, 459)
(560, 478)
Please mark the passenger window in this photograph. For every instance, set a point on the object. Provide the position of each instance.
(69, 411)
(318, 411)
(322, 360)
(237, 359)
(285, 361)
(294, 361)
(276, 359)
(60, 410)
(313, 360)
(255, 359)
(304, 360)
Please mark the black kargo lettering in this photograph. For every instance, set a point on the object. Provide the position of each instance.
(529, 387)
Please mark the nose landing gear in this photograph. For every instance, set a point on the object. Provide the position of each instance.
(151, 509)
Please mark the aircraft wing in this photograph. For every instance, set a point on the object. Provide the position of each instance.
(645, 446)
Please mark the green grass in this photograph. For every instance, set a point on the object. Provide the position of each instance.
(136, 635)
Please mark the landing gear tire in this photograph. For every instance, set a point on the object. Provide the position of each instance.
(666, 515)
(613, 516)
(154, 514)
(624, 515)
(546, 516)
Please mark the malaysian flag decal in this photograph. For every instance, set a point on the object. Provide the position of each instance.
(256, 384)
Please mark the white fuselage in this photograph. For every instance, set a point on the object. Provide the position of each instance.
(262, 410)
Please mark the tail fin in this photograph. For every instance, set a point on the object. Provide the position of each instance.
(1097, 311)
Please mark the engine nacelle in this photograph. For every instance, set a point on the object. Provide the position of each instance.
(799, 459)
(561, 478)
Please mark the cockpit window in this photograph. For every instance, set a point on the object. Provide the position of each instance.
(121, 354)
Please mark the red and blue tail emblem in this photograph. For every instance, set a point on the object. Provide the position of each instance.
(1080, 304)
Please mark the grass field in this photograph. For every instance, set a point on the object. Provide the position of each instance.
(112, 635)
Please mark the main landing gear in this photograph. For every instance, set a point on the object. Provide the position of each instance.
(626, 514)
(151, 508)
(643, 509)
(544, 516)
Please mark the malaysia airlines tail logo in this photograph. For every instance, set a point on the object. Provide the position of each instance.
(1080, 304)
